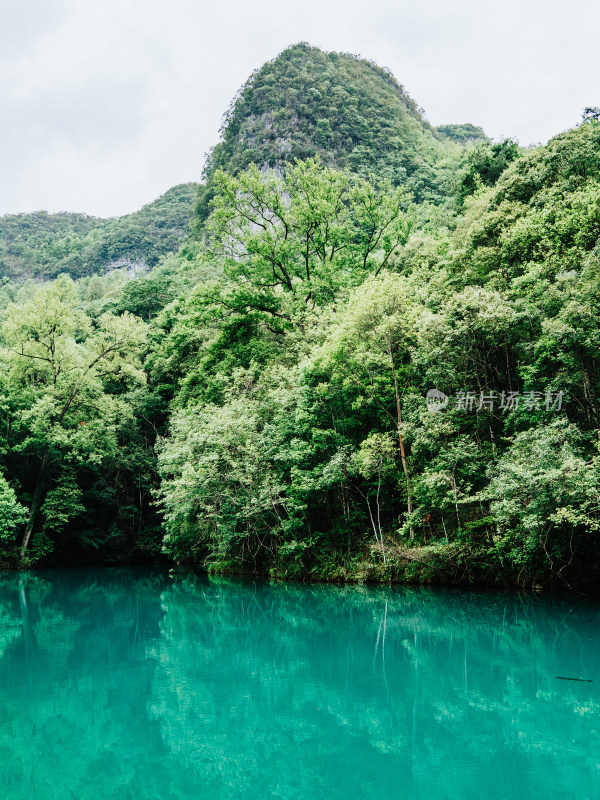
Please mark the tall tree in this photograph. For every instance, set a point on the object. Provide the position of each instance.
(64, 369)
(293, 243)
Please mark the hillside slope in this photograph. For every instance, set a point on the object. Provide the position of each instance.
(42, 245)
(305, 102)
(347, 110)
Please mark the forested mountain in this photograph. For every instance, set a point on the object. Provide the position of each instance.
(43, 245)
(348, 371)
(346, 110)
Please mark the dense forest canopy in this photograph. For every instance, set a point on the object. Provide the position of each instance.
(43, 245)
(375, 356)
(348, 111)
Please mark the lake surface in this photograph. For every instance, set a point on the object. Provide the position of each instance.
(138, 684)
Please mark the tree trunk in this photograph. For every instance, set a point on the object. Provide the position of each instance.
(401, 437)
(379, 515)
(455, 490)
(35, 503)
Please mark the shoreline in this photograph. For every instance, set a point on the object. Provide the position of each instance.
(433, 566)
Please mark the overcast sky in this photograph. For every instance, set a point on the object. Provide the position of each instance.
(108, 103)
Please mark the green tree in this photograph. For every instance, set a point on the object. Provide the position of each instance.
(294, 243)
(486, 164)
(545, 499)
(12, 513)
(61, 366)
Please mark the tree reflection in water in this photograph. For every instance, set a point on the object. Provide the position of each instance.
(133, 683)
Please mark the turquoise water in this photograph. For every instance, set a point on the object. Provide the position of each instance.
(135, 684)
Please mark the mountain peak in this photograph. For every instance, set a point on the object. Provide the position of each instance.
(341, 107)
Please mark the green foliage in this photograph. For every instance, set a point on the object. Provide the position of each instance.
(12, 513)
(486, 164)
(464, 134)
(43, 245)
(591, 114)
(266, 385)
(545, 498)
(344, 109)
(62, 504)
(71, 385)
(345, 459)
(292, 243)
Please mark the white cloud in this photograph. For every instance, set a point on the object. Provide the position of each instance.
(107, 104)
